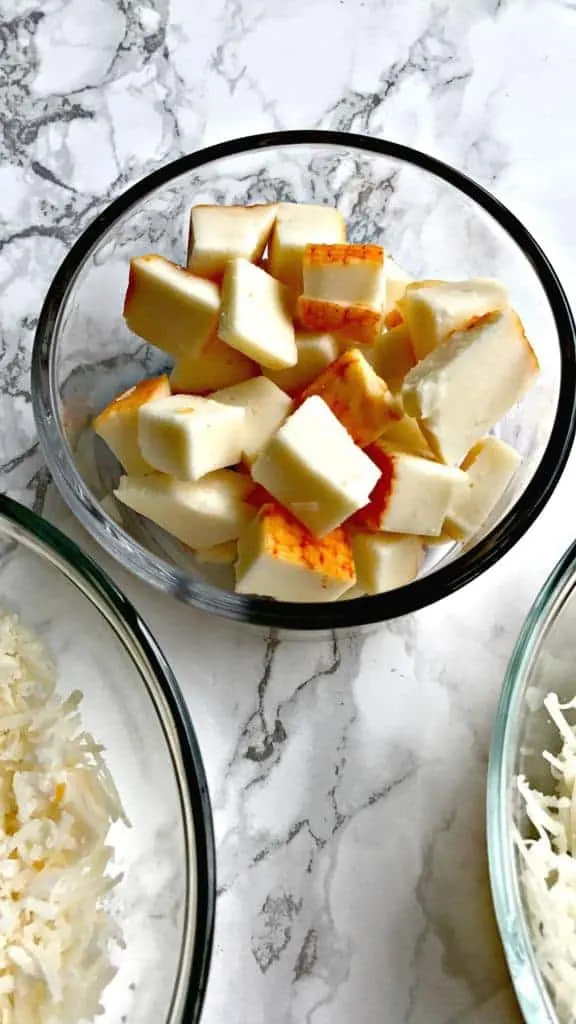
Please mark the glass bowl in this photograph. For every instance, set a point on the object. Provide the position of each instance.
(435, 221)
(132, 705)
(543, 661)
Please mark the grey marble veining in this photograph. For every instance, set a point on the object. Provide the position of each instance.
(347, 775)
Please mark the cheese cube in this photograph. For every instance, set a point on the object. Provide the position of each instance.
(385, 561)
(392, 356)
(397, 281)
(489, 467)
(315, 352)
(360, 323)
(256, 317)
(313, 467)
(353, 593)
(434, 309)
(296, 226)
(168, 306)
(405, 435)
(219, 234)
(265, 409)
(413, 495)
(219, 554)
(357, 396)
(350, 274)
(278, 557)
(117, 424)
(461, 390)
(188, 436)
(215, 365)
(200, 514)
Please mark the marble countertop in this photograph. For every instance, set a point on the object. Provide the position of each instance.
(347, 775)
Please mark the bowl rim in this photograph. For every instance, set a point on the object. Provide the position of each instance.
(108, 599)
(531, 989)
(261, 611)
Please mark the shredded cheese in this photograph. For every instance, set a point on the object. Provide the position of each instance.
(548, 865)
(57, 802)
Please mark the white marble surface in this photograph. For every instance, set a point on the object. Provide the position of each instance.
(347, 777)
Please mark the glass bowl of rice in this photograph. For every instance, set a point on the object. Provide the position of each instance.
(532, 805)
(107, 878)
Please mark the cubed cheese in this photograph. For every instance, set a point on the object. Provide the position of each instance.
(117, 424)
(219, 234)
(278, 557)
(315, 352)
(413, 495)
(313, 467)
(405, 435)
(256, 316)
(461, 390)
(296, 226)
(396, 282)
(385, 561)
(218, 554)
(351, 274)
(434, 309)
(392, 356)
(168, 306)
(188, 436)
(265, 409)
(215, 365)
(489, 468)
(360, 323)
(200, 514)
(357, 396)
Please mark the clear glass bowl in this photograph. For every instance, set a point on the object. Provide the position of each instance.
(132, 705)
(544, 660)
(434, 220)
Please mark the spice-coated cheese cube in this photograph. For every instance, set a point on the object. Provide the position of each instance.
(117, 424)
(296, 226)
(351, 274)
(359, 323)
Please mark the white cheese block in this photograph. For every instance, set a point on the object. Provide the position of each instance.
(215, 365)
(218, 554)
(461, 390)
(315, 470)
(200, 514)
(316, 350)
(256, 316)
(297, 225)
(278, 557)
(434, 309)
(392, 356)
(384, 562)
(265, 409)
(351, 274)
(117, 424)
(187, 436)
(168, 306)
(219, 234)
(405, 435)
(489, 467)
(412, 496)
(397, 281)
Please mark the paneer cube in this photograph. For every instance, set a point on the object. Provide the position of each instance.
(349, 274)
(170, 307)
(392, 356)
(219, 234)
(297, 225)
(357, 396)
(412, 496)
(405, 435)
(385, 561)
(278, 557)
(200, 514)
(397, 281)
(188, 436)
(489, 467)
(432, 310)
(316, 351)
(219, 554)
(117, 424)
(265, 409)
(315, 470)
(359, 323)
(256, 316)
(215, 365)
(461, 390)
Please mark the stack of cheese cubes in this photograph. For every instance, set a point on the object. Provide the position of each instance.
(326, 417)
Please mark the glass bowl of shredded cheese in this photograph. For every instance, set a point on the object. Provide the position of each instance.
(532, 805)
(107, 880)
